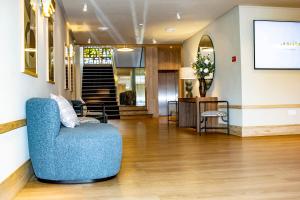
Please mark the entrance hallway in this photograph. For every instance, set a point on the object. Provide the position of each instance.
(162, 163)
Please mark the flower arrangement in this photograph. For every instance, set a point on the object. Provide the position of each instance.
(204, 67)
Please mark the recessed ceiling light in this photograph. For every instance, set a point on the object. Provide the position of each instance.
(103, 28)
(154, 41)
(84, 9)
(178, 16)
(125, 49)
(170, 29)
(141, 24)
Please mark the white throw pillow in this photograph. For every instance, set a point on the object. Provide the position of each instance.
(68, 115)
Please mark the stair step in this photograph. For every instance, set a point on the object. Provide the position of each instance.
(92, 106)
(98, 101)
(90, 72)
(104, 99)
(98, 65)
(98, 93)
(133, 113)
(99, 81)
(97, 77)
(99, 86)
(99, 90)
(133, 108)
(98, 70)
(96, 105)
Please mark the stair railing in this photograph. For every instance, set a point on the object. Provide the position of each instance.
(115, 71)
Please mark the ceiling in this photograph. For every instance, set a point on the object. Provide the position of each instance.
(123, 18)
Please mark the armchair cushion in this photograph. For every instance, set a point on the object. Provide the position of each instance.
(68, 116)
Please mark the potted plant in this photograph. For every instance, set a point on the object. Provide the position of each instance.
(204, 70)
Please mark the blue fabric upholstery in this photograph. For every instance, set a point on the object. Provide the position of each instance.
(89, 151)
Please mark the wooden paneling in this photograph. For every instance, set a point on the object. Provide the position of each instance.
(15, 182)
(4, 128)
(189, 116)
(167, 90)
(169, 58)
(168, 163)
(151, 63)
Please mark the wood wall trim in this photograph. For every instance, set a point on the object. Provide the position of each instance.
(14, 183)
(252, 131)
(263, 106)
(7, 127)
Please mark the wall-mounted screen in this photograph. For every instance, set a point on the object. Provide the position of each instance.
(276, 45)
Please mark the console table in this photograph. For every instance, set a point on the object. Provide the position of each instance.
(188, 112)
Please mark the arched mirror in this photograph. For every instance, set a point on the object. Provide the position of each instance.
(206, 53)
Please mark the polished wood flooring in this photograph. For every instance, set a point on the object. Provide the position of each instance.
(162, 163)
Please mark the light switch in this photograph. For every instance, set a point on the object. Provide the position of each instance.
(292, 112)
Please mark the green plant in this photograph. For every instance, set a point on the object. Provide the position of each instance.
(204, 67)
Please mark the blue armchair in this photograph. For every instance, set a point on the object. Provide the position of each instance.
(87, 153)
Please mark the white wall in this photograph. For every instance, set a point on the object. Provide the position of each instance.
(266, 87)
(224, 32)
(239, 83)
(17, 87)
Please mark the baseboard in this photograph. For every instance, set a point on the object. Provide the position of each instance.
(236, 130)
(15, 182)
(252, 131)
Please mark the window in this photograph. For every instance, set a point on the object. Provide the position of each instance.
(97, 55)
(51, 75)
(30, 37)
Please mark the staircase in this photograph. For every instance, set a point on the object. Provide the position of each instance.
(98, 87)
(134, 112)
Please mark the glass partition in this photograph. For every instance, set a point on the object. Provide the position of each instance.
(130, 67)
(131, 86)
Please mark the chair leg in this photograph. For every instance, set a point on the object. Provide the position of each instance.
(228, 128)
(205, 125)
(168, 111)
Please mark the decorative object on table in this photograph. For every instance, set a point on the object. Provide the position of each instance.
(205, 64)
(188, 74)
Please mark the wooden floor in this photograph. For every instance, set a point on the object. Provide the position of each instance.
(170, 163)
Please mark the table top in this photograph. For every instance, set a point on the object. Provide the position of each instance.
(194, 100)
